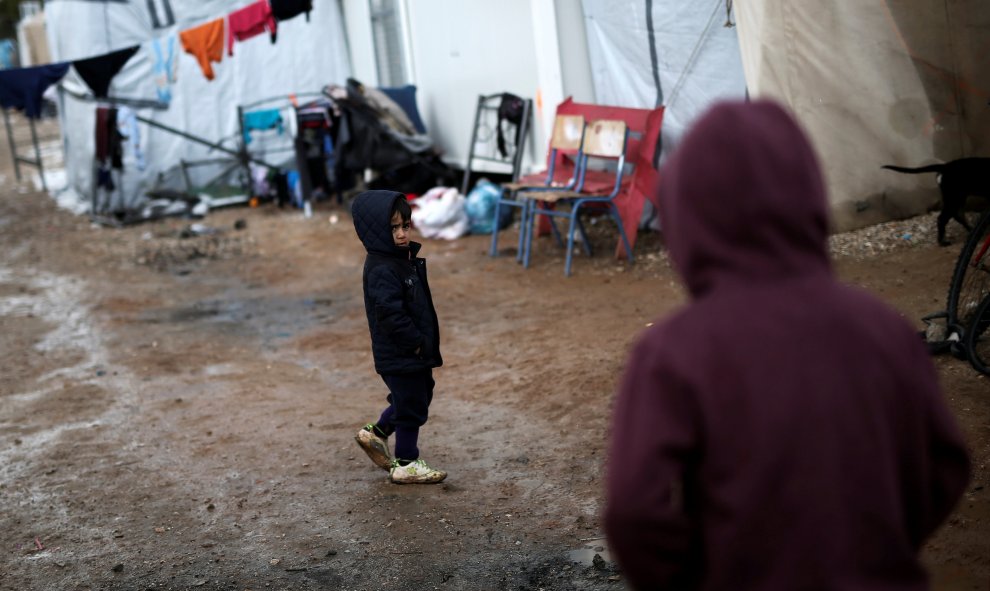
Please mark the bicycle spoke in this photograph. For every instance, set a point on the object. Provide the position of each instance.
(971, 278)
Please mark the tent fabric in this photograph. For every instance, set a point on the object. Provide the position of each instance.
(875, 83)
(21, 88)
(98, 72)
(697, 58)
(308, 57)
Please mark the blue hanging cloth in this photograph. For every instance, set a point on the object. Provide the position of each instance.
(265, 119)
(164, 67)
(21, 88)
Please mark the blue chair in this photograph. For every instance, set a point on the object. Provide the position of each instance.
(604, 140)
(565, 141)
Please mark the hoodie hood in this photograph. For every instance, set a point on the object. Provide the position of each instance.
(372, 215)
(742, 200)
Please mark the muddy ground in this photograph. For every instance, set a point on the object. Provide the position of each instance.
(178, 413)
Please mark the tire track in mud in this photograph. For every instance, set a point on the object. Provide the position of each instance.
(58, 423)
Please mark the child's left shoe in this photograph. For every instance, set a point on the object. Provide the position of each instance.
(415, 472)
(374, 446)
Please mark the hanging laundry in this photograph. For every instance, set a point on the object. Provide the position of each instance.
(104, 179)
(312, 111)
(313, 149)
(97, 72)
(7, 52)
(248, 22)
(261, 120)
(127, 126)
(21, 88)
(164, 67)
(283, 10)
(109, 144)
(109, 151)
(205, 43)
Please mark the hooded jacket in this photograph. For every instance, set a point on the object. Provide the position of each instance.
(782, 431)
(397, 297)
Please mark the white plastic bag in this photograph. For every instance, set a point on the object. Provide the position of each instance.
(440, 214)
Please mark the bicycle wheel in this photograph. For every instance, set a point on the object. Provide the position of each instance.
(978, 338)
(971, 277)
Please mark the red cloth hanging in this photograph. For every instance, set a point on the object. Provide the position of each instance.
(250, 21)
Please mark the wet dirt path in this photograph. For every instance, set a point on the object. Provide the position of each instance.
(179, 414)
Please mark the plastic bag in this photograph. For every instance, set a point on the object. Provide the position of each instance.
(439, 213)
(480, 207)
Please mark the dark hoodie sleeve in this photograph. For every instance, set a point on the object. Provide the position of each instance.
(653, 440)
(390, 314)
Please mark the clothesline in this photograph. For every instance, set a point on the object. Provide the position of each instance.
(22, 88)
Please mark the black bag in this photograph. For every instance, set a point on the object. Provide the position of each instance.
(510, 109)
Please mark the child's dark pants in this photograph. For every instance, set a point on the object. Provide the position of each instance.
(409, 400)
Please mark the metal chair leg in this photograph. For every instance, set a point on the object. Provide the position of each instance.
(584, 235)
(570, 247)
(622, 232)
(524, 207)
(555, 231)
(533, 212)
(493, 251)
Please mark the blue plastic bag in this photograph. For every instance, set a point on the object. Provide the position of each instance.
(480, 207)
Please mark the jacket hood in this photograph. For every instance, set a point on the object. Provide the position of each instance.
(372, 214)
(742, 200)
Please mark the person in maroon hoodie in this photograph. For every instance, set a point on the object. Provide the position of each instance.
(783, 430)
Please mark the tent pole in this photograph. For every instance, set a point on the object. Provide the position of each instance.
(238, 154)
(13, 147)
(37, 155)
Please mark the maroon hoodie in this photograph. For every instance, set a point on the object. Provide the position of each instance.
(782, 431)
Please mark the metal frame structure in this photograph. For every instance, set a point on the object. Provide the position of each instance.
(18, 160)
(487, 108)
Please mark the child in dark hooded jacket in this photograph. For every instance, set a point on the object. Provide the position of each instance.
(405, 334)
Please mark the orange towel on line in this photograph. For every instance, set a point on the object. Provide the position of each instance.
(205, 43)
(249, 21)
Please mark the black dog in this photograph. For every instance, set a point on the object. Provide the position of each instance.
(957, 180)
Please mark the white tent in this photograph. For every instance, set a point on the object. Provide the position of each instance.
(875, 83)
(307, 56)
(682, 55)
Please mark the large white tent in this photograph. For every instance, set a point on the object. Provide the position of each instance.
(877, 82)
(873, 83)
(307, 56)
(682, 55)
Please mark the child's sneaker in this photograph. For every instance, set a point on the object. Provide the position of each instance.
(415, 472)
(374, 446)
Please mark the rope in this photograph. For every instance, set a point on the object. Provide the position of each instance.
(693, 58)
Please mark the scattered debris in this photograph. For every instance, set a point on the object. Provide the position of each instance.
(598, 562)
(198, 230)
